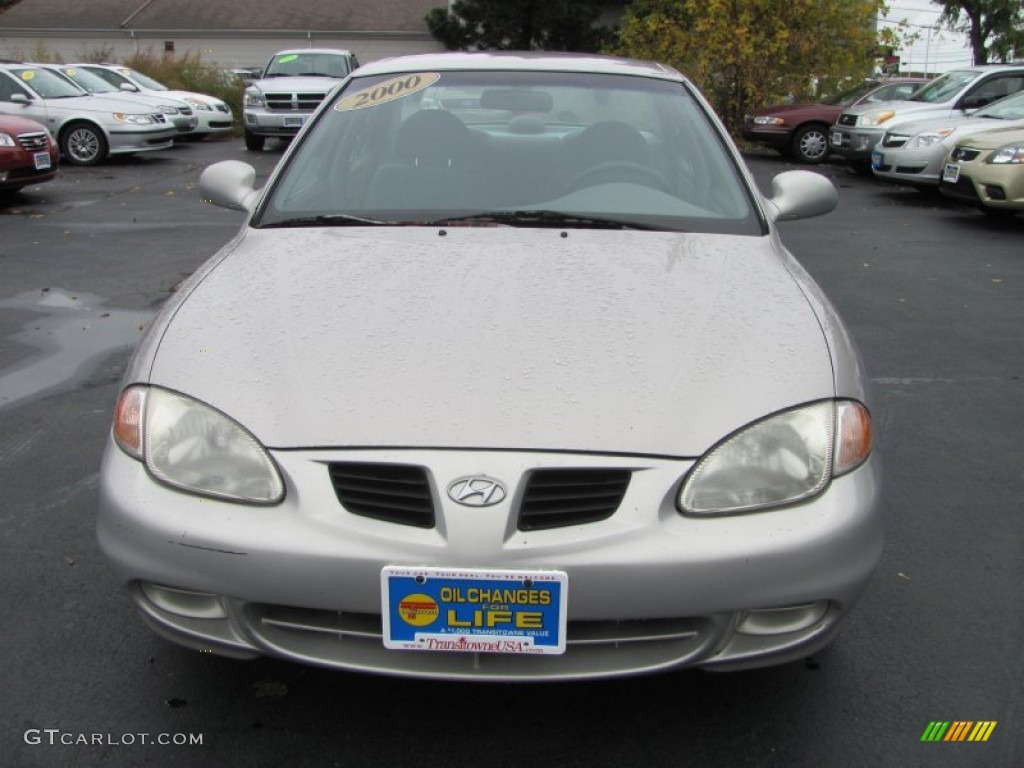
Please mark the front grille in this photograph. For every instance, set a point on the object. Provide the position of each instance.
(292, 102)
(159, 117)
(34, 142)
(847, 120)
(965, 155)
(395, 493)
(555, 498)
(347, 640)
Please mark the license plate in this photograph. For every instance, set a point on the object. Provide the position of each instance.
(293, 122)
(474, 611)
(42, 160)
(876, 160)
(837, 138)
(951, 173)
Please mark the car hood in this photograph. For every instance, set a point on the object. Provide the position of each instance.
(504, 338)
(961, 124)
(900, 107)
(795, 110)
(997, 137)
(99, 105)
(297, 84)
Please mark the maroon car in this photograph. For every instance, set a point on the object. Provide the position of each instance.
(800, 131)
(28, 154)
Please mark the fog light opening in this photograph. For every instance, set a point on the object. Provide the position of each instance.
(781, 621)
(994, 192)
(184, 602)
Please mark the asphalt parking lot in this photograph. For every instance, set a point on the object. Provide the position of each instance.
(934, 294)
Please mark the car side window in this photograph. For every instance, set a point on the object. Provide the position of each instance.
(8, 88)
(991, 90)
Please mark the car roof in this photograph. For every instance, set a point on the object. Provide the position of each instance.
(533, 61)
(342, 51)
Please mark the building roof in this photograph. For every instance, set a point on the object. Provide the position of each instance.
(359, 16)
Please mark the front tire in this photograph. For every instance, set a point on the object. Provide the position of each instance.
(253, 142)
(810, 144)
(83, 144)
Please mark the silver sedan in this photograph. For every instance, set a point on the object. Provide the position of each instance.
(915, 152)
(507, 376)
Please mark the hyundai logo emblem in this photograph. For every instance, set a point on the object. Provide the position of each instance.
(476, 491)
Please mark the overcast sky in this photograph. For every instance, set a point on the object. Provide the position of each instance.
(937, 50)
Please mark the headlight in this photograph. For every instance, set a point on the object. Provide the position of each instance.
(768, 120)
(782, 459)
(253, 99)
(122, 117)
(1011, 153)
(928, 139)
(198, 104)
(875, 118)
(189, 445)
(7, 141)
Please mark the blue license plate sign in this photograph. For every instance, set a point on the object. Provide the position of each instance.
(876, 160)
(473, 610)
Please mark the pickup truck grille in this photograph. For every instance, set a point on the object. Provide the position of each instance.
(293, 102)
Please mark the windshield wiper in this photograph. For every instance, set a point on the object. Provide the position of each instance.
(329, 220)
(539, 218)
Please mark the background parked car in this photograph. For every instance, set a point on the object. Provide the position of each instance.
(87, 129)
(987, 169)
(28, 154)
(177, 111)
(214, 115)
(915, 152)
(291, 86)
(958, 92)
(800, 131)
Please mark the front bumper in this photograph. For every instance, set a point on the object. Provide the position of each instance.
(918, 167)
(215, 120)
(264, 122)
(778, 137)
(997, 187)
(141, 139)
(649, 589)
(854, 143)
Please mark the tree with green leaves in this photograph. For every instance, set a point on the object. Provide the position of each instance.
(520, 25)
(994, 27)
(746, 53)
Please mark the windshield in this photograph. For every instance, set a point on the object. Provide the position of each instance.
(945, 87)
(513, 149)
(143, 80)
(46, 84)
(308, 64)
(848, 97)
(1008, 108)
(87, 80)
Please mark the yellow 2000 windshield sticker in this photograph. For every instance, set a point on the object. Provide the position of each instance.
(28, 74)
(389, 90)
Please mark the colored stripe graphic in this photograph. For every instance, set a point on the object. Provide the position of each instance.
(958, 730)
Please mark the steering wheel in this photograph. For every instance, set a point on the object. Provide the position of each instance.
(619, 171)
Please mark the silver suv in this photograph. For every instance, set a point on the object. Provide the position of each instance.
(958, 92)
(290, 88)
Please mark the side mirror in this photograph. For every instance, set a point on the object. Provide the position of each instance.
(801, 195)
(19, 98)
(128, 87)
(230, 184)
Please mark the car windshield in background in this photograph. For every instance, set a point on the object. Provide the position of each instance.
(87, 80)
(945, 87)
(513, 149)
(45, 83)
(1009, 108)
(146, 82)
(307, 65)
(846, 98)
